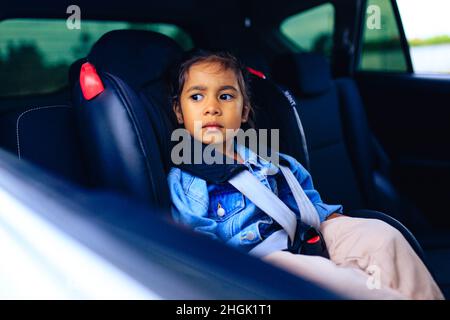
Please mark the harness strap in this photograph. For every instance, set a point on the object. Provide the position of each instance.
(308, 212)
(267, 201)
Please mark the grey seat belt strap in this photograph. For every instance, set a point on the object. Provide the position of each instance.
(277, 241)
(266, 200)
(307, 210)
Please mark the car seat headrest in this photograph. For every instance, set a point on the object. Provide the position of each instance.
(139, 56)
(307, 74)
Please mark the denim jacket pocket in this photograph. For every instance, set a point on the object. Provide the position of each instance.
(223, 204)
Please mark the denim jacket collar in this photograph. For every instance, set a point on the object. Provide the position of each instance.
(252, 159)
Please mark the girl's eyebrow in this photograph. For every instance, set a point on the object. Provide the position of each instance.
(200, 88)
(203, 88)
(228, 88)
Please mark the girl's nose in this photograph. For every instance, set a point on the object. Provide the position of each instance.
(212, 108)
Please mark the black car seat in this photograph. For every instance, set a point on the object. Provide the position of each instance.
(125, 129)
(118, 114)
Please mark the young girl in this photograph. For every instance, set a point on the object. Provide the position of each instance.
(369, 259)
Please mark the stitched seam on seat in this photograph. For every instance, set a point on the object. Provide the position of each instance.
(28, 111)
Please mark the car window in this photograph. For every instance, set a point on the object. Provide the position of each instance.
(35, 54)
(311, 30)
(427, 30)
(381, 46)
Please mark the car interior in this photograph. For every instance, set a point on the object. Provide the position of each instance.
(374, 141)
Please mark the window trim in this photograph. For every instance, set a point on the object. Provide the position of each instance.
(360, 38)
(403, 39)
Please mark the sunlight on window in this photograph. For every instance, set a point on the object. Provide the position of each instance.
(311, 30)
(35, 54)
(427, 29)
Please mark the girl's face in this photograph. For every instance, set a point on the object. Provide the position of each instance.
(210, 103)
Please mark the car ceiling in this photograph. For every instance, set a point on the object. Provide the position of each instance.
(183, 12)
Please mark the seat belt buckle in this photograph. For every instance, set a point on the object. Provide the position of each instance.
(308, 241)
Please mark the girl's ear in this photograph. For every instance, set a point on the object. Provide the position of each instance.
(177, 109)
(245, 113)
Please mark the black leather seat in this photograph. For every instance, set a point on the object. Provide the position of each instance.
(347, 163)
(126, 128)
(114, 159)
(46, 136)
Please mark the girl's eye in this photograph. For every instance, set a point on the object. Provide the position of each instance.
(197, 97)
(226, 96)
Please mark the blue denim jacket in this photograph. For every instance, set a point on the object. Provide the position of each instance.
(240, 223)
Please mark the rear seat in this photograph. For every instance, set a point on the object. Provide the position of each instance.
(45, 135)
(346, 162)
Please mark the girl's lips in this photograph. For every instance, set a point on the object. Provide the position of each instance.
(212, 126)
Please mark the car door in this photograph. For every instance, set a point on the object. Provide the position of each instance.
(403, 73)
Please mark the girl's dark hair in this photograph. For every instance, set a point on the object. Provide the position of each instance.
(225, 59)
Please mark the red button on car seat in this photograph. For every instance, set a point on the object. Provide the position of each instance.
(90, 82)
(313, 240)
